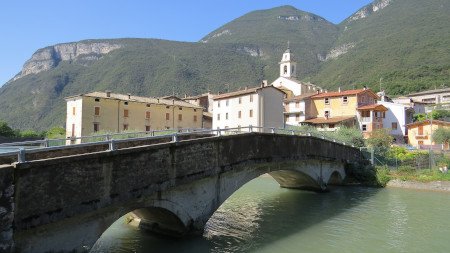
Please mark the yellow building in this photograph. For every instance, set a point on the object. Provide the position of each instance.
(419, 133)
(349, 108)
(109, 112)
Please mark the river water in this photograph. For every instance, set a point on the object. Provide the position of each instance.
(262, 217)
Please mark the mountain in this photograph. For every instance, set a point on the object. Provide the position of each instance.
(265, 33)
(403, 43)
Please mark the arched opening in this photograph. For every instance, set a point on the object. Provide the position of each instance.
(285, 70)
(335, 179)
(160, 221)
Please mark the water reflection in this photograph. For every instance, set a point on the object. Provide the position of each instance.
(261, 217)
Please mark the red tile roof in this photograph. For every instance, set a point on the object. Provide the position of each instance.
(243, 92)
(373, 107)
(343, 93)
(427, 122)
(332, 120)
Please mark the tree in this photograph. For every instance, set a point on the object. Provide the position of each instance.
(56, 133)
(5, 130)
(352, 136)
(441, 135)
(380, 140)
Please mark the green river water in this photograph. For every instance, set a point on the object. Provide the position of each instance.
(262, 217)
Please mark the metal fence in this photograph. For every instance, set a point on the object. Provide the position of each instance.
(411, 160)
(21, 148)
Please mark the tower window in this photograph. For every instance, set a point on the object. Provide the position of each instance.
(285, 70)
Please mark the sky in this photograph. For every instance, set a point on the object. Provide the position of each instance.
(27, 25)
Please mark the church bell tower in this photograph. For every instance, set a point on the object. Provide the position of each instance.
(288, 66)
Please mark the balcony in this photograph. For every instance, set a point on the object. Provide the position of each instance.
(365, 119)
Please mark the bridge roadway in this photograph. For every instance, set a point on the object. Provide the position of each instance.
(63, 201)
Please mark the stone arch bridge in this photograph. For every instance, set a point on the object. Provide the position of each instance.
(65, 202)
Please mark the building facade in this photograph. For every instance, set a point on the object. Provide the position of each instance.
(260, 107)
(436, 96)
(298, 109)
(115, 113)
(397, 117)
(349, 108)
(420, 133)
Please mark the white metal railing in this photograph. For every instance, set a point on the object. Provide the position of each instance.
(19, 148)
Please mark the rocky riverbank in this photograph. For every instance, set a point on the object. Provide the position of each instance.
(428, 186)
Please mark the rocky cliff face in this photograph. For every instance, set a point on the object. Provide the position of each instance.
(49, 57)
(371, 8)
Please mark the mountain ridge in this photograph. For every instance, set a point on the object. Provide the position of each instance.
(401, 46)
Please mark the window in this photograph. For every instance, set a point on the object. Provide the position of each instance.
(240, 100)
(327, 101)
(218, 116)
(326, 114)
(125, 113)
(420, 143)
(420, 130)
(97, 100)
(227, 102)
(239, 114)
(297, 104)
(251, 97)
(364, 127)
(147, 128)
(147, 115)
(285, 69)
(126, 103)
(96, 127)
(365, 114)
(251, 113)
(226, 115)
(297, 117)
(125, 127)
(180, 108)
(73, 130)
(73, 111)
(180, 117)
(167, 116)
(331, 126)
(96, 111)
(148, 105)
(195, 118)
(345, 100)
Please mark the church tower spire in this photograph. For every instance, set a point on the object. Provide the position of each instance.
(288, 66)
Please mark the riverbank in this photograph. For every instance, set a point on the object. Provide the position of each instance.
(425, 186)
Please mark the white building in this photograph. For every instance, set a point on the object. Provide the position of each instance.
(288, 78)
(418, 106)
(261, 106)
(396, 119)
(298, 109)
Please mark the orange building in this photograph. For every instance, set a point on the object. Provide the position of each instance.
(420, 133)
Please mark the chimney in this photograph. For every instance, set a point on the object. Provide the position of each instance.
(108, 93)
(158, 100)
(264, 83)
(317, 91)
(129, 95)
(246, 87)
(185, 95)
(339, 89)
(365, 87)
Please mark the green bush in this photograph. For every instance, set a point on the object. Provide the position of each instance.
(383, 176)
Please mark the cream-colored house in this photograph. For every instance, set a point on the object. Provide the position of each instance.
(420, 133)
(261, 107)
(298, 109)
(110, 112)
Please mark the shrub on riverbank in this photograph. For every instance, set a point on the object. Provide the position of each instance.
(408, 173)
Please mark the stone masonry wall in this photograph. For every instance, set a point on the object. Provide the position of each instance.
(6, 208)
